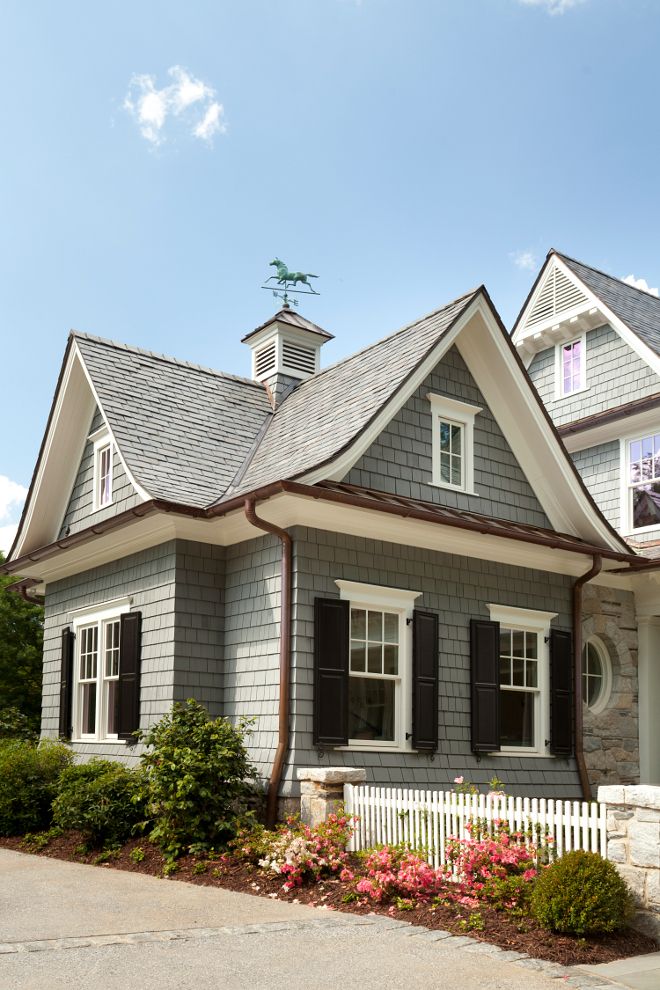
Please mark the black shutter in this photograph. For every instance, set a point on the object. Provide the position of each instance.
(66, 683)
(485, 674)
(425, 681)
(331, 630)
(128, 688)
(561, 692)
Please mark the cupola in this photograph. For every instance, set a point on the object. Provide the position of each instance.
(285, 351)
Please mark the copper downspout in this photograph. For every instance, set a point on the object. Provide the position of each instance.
(577, 671)
(285, 656)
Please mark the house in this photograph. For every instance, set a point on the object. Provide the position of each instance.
(591, 344)
(382, 562)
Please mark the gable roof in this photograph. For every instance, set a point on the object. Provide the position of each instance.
(293, 320)
(306, 431)
(184, 430)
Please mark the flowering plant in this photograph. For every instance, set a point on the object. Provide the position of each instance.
(495, 867)
(396, 873)
(298, 852)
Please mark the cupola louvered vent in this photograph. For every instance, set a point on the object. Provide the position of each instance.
(264, 360)
(559, 294)
(298, 358)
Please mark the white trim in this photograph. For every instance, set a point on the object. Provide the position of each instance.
(393, 600)
(560, 395)
(448, 410)
(279, 333)
(99, 616)
(102, 442)
(606, 662)
(538, 622)
(625, 499)
(102, 609)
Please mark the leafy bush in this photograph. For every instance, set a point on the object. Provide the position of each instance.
(197, 769)
(499, 868)
(583, 894)
(394, 873)
(28, 782)
(15, 724)
(298, 852)
(102, 799)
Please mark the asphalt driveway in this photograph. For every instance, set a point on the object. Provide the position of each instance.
(74, 926)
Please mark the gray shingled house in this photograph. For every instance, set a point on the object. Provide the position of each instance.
(381, 561)
(591, 343)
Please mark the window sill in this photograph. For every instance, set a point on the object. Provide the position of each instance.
(570, 395)
(523, 754)
(93, 739)
(383, 748)
(453, 488)
(100, 508)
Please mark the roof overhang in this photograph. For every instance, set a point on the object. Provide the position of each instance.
(640, 416)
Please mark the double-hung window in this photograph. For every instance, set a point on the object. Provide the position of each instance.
(571, 368)
(641, 469)
(452, 437)
(102, 472)
(96, 672)
(523, 678)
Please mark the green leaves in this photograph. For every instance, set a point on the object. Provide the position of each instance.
(21, 638)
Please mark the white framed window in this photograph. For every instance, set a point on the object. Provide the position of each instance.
(524, 679)
(96, 670)
(380, 666)
(640, 488)
(571, 366)
(596, 675)
(102, 472)
(452, 438)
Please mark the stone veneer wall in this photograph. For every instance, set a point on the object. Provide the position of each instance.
(633, 843)
(611, 737)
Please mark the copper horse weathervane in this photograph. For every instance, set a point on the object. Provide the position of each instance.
(285, 280)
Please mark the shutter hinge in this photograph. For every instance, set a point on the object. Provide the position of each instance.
(408, 735)
(408, 621)
(546, 639)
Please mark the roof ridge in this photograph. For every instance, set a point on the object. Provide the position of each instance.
(395, 333)
(166, 358)
(599, 271)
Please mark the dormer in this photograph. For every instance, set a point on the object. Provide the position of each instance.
(285, 352)
(557, 311)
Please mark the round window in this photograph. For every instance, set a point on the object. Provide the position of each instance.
(596, 675)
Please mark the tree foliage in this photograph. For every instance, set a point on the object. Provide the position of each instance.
(21, 639)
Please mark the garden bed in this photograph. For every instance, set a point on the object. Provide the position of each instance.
(521, 934)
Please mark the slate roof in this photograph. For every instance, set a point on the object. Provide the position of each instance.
(639, 310)
(183, 430)
(325, 413)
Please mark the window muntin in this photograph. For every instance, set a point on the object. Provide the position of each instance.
(88, 661)
(519, 686)
(96, 669)
(103, 454)
(572, 366)
(643, 481)
(452, 440)
(451, 453)
(596, 675)
(374, 680)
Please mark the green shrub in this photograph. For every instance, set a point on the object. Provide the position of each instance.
(583, 894)
(102, 799)
(28, 782)
(15, 724)
(197, 770)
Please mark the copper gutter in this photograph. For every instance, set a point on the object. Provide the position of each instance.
(22, 588)
(577, 672)
(285, 654)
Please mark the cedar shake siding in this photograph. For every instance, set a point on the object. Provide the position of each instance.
(457, 589)
(79, 513)
(614, 375)
(399, 460)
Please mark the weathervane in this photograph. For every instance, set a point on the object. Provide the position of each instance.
(284, 280)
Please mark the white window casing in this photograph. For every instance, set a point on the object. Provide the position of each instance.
(561, 392)
(95, 668)
(393, 602)
(452, 419)
(628, 486)
(537, 624)
(103, 471)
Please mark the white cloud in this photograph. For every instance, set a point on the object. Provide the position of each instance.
(553, 6)
(186, 100)
(525, 260)
(641, 283)
(12, 496)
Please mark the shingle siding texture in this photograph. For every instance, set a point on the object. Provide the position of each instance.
(399, 461)
(79, 511)
(458, 588)
(615, 375)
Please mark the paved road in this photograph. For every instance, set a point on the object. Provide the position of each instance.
(65, 925)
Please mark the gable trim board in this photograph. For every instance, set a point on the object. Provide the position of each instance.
(61, 449)
(526, 428)
(522, 337)
(639, 415)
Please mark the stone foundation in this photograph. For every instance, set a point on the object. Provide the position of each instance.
(322, 790)
(611, 737)
(633, 844)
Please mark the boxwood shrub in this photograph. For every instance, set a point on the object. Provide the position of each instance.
(582, 894)
(29, 773)
(102, 799)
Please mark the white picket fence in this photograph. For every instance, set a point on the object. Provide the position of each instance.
(425, 820)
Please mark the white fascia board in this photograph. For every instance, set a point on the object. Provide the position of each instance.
(520, 416)
(519, 334)
(142, 492)
(342, 464)
(616, 429)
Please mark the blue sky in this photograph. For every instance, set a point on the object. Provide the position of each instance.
(403, 150)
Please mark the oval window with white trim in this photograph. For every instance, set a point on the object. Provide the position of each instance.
(596, 675)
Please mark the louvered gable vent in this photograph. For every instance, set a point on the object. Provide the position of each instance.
(558, 295)
(264, 360)
(298, 358)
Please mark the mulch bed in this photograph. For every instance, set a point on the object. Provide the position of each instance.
(521, 935)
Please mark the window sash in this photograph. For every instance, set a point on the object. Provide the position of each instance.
(451, 454)
(643, 475)
(97, 677)
(369, 629)
(572, 367)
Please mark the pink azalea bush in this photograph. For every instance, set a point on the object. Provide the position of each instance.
(297, 852)
(393, 873)
(498, 868)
